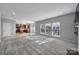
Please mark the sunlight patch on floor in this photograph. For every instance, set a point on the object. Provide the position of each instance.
(44, 41)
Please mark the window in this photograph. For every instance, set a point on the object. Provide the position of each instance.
(47, 28)
(42, 29)
(56, 29)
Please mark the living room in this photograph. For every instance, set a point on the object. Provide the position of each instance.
(38, 25)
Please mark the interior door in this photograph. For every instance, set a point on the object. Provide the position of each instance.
(6, 29)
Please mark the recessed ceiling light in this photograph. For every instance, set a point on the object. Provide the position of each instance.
(13, 13)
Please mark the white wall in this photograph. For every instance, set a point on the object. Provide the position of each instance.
(0, 27)
(8, 27)
(32, 28)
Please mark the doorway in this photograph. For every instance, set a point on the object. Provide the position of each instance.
(22, 28)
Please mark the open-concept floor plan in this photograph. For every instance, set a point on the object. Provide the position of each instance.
(39, 29)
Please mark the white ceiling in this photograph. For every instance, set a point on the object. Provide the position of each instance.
(35, 11)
